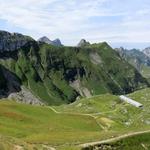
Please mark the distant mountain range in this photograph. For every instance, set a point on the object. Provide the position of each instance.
(140, 59)
(146, 51)
(56, 74)
(55, 42)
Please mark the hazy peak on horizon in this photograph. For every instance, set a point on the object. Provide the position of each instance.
(83, 41)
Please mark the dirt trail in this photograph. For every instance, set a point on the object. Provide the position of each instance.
(112, 139)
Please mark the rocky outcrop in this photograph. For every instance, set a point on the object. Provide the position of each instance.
(11, 88)
(55, 42)
(84, 92)
(135, 56)
(82, 43)
(146, 51)
(25, 96)
(12, 41)
(95, 58)
(122, 52)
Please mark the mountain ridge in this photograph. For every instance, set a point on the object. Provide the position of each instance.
(137, 58)
(58, 75)
(12, 41)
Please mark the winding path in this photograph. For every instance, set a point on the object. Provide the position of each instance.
(85, 145)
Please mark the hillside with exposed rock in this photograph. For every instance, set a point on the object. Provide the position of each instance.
(139, 59)
(146, 51)
(12, 41)
(57, 75)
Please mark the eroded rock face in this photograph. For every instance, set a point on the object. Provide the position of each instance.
(84, 92)
(95, 58)
(139, 59)
(25, 96)
(146, 51)
(12, 41)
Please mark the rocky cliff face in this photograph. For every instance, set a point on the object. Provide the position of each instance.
(135, 54)
(12, 41)
(139, 59)
(146, 51)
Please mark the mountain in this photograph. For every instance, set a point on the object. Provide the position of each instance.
(57, 42)
(12, 41)
(138, 59)
(45, 39)
(57, 75)
(83, 42)
(135, 57)
(146, 51)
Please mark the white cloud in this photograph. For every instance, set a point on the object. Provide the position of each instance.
(71, 20)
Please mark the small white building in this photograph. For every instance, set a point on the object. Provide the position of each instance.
(130, 101)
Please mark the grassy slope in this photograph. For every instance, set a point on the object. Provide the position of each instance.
(40, 125)
(138, 142)
(115, 116)
(145, 71)
(109, 109)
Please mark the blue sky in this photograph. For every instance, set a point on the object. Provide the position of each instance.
(119, 22)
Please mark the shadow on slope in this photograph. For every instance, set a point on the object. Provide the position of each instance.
(9, 82)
